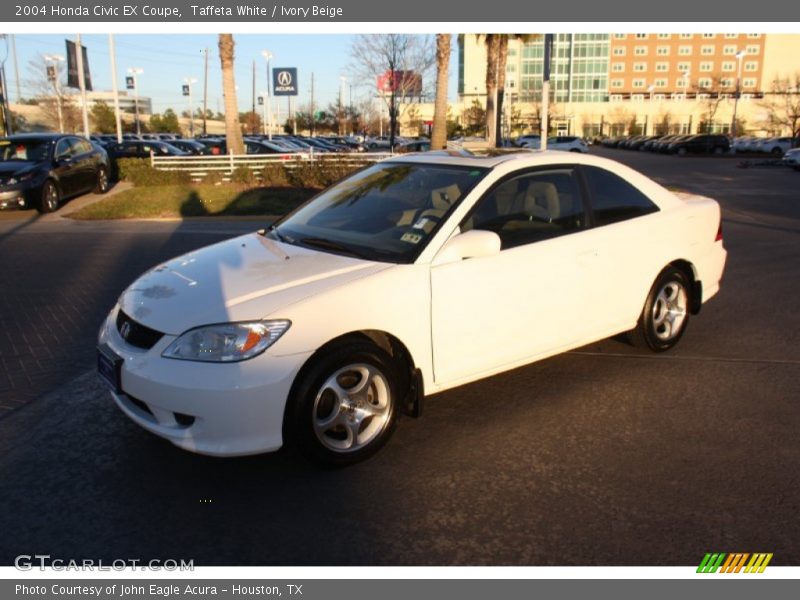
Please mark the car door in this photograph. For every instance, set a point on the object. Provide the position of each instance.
(84, 159)
(528, 299)
(64, 167)
(628, 238)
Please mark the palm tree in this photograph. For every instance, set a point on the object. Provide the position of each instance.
(439, 133)
(496, 58)
(492, 41)
(233, 131)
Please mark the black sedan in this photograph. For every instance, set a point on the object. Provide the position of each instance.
(42, 170)
(142, 149)
(191, 146)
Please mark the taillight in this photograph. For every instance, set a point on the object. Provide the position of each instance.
(719, 232)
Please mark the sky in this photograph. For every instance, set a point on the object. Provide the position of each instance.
(167, 59)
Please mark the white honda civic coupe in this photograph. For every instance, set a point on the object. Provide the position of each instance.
(415, 275)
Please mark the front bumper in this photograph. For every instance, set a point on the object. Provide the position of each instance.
(12, 198)
(228, 409)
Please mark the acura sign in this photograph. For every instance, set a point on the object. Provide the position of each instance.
(284, 82)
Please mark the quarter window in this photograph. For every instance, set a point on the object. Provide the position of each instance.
(613, 198)
(530, 208)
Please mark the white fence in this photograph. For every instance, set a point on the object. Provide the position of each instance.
(199, 166)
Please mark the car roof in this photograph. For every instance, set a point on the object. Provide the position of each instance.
(514, 158)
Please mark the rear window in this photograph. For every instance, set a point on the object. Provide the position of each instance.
(613, 199)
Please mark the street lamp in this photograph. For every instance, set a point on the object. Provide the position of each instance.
(52, 76)
(268, 57)
(190, 81)
(739, 56)
(135, 72)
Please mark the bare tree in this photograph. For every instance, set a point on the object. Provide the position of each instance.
(710, 97)
(56, 102)
(401, 61)
(439, 133)
(782, 104)
(233, 131)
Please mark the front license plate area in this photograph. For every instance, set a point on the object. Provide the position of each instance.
(109, 367)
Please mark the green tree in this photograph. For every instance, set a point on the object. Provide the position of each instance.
(166, 123)
(103, 119)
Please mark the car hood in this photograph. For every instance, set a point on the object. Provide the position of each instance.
(244, 278)
(14, 167)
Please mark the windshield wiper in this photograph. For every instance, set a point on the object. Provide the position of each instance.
(330, 245)
(273, 229)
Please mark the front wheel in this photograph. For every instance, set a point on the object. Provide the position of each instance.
(665, 315)
(50, 198)
(345, 407)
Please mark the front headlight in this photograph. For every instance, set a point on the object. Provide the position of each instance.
(226, 342)
(20, 179)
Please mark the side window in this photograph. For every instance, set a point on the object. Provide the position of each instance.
(613, 198)
(63, 148)
(530, 208)
(80, 146)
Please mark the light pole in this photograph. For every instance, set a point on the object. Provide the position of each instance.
(135, 72)
(52, 76)
(190, 81)
(342, 127)
(264, 112)
(651, 88)
(739, 56)
(268, 57)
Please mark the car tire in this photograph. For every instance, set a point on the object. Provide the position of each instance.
(102, 185)
(50, 197)
(777, 151)
(681, 152)
(344, 406)
(665, 315)
(719, 150)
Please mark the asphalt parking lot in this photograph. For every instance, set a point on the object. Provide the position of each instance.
(603, 456)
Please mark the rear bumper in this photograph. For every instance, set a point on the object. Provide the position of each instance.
(710, 268)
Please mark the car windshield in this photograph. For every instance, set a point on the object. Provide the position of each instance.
(387, 212)
(32, 150)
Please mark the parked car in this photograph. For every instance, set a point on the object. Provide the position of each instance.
(792, 158)
(143, 148)
(215, 145)
(662, 144)
(410, 277)
(528, 141)
(267, 147)
(779, 145)
(42, 170)
(416, 146)
(700, 144)
(191, 147)
(570, 143)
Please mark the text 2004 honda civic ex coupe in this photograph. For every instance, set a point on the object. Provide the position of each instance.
(410, 277)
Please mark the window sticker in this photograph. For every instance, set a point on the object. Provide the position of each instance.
(411, 238)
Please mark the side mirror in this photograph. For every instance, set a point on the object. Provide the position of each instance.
(471, 244)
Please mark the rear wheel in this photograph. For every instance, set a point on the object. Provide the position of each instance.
(49, 199)
(719, 150)
(681, 151)
(665, 315)
(101, 187)
(345, 407)
(777, 151)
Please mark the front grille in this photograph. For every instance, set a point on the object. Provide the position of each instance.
(135, 333)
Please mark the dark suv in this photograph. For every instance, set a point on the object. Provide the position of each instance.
(700, 144)
(43, 169)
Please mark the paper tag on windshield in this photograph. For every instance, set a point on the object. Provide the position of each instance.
(420, 224)
(411, 238)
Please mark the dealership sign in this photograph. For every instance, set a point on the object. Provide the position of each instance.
(284, 81)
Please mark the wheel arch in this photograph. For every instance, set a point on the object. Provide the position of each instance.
(412, 384)
(688, 269)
